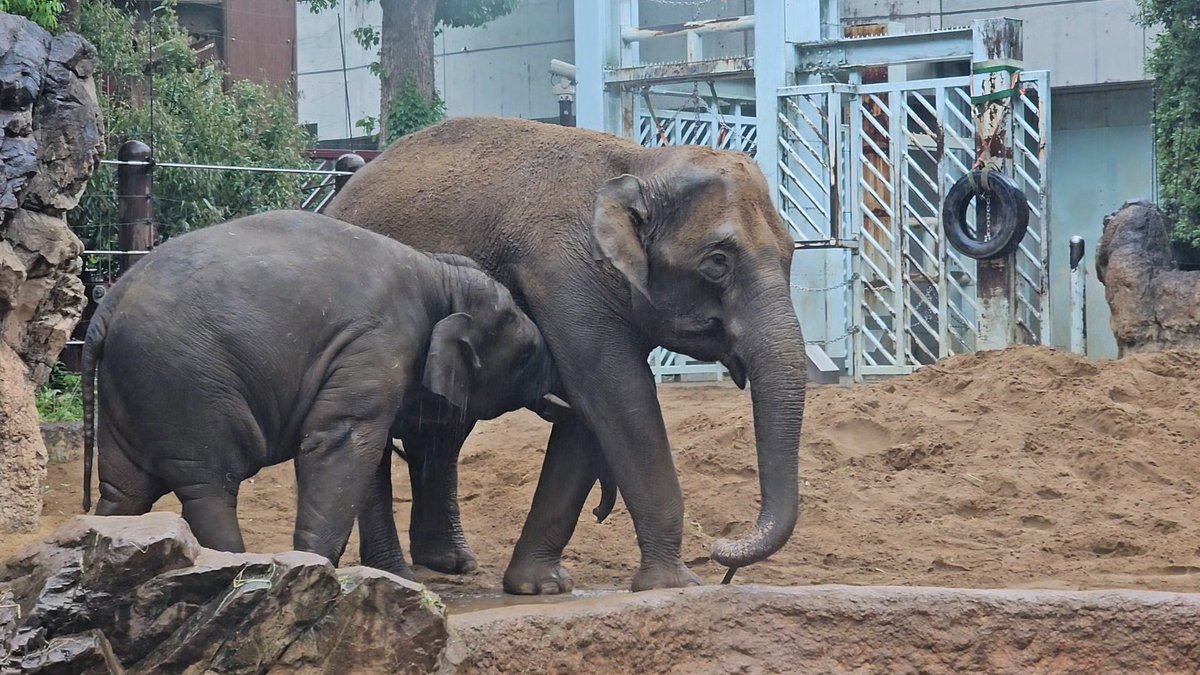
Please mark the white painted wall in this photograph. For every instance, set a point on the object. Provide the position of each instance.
(321, 82)
(503, 68)
(1081, 42)
(499, 69)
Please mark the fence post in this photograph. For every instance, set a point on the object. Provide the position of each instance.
(1078, 299)
(348, 162)
(135, 189)
(997, 55)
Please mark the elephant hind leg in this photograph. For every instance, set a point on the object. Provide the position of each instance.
(338, 460)
(212, 516)
(125, 488)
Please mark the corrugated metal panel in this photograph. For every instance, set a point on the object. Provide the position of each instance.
(260, 40)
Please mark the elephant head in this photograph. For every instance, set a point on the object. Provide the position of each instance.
(707, 259)
(488, 358)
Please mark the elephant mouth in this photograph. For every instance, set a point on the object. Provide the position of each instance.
(737, 369)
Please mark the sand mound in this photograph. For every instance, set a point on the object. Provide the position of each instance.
(1024, 467)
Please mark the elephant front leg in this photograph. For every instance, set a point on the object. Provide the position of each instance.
(563, 486)
(616, 398)
(338, 459)
(436, 536)
(379, 543)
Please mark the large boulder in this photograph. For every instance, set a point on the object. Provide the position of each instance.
(22, 453)
(51, 140)
(137, 594)
(1154, 306)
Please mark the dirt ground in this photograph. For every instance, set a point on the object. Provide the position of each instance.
(1021, 468)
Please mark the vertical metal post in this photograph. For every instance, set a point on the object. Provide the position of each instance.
(348, 162)
(1078, 299)
(135, 208)
(598, 46)
(776, 26)
(996, 57)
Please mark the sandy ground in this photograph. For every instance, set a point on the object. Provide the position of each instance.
(1021, 468)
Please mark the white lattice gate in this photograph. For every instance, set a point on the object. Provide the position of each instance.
(864, 168)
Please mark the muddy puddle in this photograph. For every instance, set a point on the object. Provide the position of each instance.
(461, 603)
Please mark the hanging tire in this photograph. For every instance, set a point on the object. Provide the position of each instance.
(1010, 215)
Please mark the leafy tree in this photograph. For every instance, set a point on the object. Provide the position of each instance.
(189, 116)
(1174, 62)
(44, 13)
(407, 97)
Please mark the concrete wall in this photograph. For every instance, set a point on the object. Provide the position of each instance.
(1101, 156)
(503, 68)
(499, 69)
(323, 93)
(1082, 42)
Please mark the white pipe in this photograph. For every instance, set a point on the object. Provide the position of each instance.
(1078, 298)
(737, 23)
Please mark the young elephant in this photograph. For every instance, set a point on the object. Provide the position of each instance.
(290, 335)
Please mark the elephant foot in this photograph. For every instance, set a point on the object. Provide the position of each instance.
(397, 567)
(537, 578)
(675, 575)
(444, 556)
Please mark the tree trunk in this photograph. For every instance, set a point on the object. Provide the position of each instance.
(405, 50)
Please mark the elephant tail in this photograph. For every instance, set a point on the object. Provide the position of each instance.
(93, 349)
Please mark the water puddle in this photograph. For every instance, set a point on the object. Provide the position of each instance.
(461, 603)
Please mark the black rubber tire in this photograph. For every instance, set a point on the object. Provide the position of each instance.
(1010, 215)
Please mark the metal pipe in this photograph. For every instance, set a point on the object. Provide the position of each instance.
(220, 167)
(1078, 298)
(732, 24)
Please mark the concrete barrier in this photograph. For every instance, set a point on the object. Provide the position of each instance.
(837, 629)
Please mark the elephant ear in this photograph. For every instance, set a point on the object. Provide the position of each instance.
(620, 210)
(452, 361)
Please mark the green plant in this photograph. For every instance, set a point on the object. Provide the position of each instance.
(1174, 62)
(188, 116)
(410, 111)
(61, 398)
(44, 13)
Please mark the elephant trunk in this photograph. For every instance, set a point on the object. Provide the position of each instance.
(772, 351)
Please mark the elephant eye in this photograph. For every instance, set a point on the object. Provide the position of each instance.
(715, 266)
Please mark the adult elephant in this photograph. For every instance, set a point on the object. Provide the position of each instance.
(613, 249)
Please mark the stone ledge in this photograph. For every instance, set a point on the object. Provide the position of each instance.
(63, 441)
(823, 629)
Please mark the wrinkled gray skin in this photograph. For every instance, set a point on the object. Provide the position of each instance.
(613, 249)
(290, 335)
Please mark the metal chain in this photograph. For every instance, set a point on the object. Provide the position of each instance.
(988, 206)
(849, 331)
(847, 282)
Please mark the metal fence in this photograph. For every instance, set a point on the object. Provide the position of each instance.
(135, 233)
(864, 169)
(695, 123)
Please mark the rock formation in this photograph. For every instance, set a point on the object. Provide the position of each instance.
(51, 143)
(137, 594)
(1154, 306)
